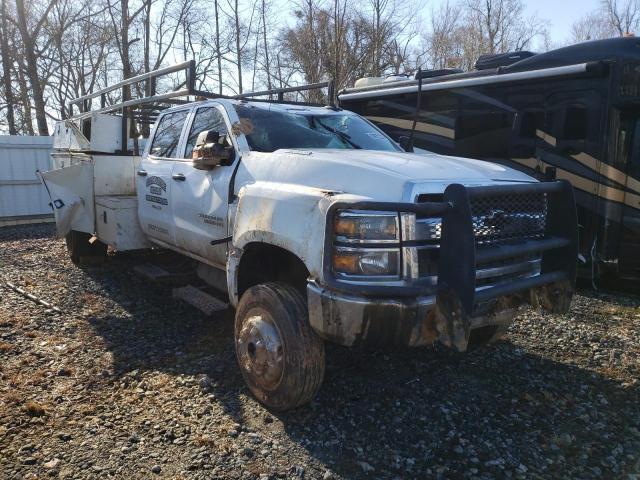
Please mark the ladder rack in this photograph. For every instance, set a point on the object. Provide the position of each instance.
(145, 110)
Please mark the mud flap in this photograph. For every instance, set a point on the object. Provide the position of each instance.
(452, 322)
(71, 192)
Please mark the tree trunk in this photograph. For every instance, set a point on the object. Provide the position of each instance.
(218, 53)
(31, 69)
(124, 38)
(148, 84)
(266, 46)
(26, 102)
(238, 52)
(7, 63)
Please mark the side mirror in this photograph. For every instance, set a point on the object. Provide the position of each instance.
(212, 149)
(405, 143)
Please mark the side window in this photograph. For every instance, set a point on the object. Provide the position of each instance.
(531, 121)
(575, 123)
(207, 118)
(625, 156)
(167, 136)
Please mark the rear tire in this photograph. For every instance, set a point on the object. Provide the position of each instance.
(281, 358)
(81, 251)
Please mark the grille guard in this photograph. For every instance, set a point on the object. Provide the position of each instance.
(459, 256)
(459, 253)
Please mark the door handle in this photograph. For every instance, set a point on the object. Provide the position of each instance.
(179, 176)
(142, 173)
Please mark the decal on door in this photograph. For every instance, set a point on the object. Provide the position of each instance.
(211, 219)
(156, 188)
(158, 229)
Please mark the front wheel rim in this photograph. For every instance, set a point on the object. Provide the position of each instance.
(260, 349)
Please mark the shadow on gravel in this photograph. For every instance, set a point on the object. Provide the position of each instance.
(436, 412)
(408, 413)
(154, 332)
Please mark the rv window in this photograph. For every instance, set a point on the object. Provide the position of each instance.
(481, 122)
(634, 163)
(167, 136)
(208, 118)
(624, 140)
(629, 81)
(575, 123)
(531, 121)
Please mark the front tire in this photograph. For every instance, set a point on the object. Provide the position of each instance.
(281, 358)
(81, 251)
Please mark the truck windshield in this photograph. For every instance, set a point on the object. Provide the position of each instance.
(270, 130)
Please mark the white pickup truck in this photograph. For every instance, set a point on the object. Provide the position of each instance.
(320, 228)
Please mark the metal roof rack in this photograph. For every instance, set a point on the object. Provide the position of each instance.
(161, 101)
(145, 110)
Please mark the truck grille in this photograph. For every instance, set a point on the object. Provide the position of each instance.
(496, 220)
(511, 217)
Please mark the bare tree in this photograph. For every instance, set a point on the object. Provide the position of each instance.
(502, 25)
(336, 41)
(623, 16)
(82, 48)
(593, 26)
(241, 31)
(7, 63)
(265, 43)
(30, 24)
(442, 42)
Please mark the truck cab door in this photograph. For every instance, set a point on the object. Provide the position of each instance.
(154, 185)
(201, 197)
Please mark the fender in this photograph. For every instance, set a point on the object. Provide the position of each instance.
(288, 216)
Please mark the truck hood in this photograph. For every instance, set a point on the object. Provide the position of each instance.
(385, 176)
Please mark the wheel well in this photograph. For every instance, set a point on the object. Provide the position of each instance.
(261, 263)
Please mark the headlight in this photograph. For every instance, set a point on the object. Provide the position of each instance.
(379, 259)
(361, 226)
(366, 262)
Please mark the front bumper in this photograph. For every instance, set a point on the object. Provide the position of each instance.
(412, 313)
(347, 319)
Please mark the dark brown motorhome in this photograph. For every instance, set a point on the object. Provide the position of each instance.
(570, 113)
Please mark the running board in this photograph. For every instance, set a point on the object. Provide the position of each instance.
(206, 303)
(165, 275)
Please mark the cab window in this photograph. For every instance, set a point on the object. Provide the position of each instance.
(271, 130)
(207, 118)
(167, 136)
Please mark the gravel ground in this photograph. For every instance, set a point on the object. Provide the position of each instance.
(127, 383)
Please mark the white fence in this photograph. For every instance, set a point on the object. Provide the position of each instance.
(22, 198)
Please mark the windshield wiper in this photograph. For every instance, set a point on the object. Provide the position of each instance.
(345, 137)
